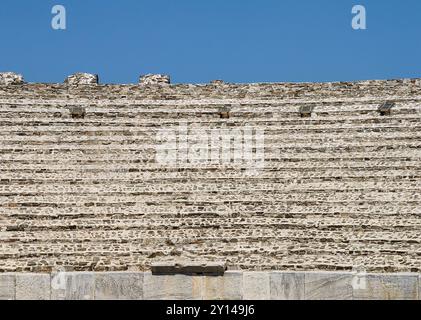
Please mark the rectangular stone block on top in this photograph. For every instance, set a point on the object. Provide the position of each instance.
(226, 287)
(72, 286)
(328, 286)
(33, 286)
(172, 287)
(388, 287)
(256, 285)
(287, 285)
(7, 286)
(119, 286)
(188, 268)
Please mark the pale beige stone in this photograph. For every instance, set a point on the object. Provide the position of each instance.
(287, 285)
(389, 287)
(73, 286)
(256, 285)
(7, 287)
(226, 287)
(119, 286)
(32, 286)
(328, 286)
(174, 287)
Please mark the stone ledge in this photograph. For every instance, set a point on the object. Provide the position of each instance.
(234, 285)
(205, 268)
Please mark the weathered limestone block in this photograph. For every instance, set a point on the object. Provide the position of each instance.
(176, 287)
(217, 82)
(389, 287)
(119, 286)
(31, 286)
(73, 286)
(188, 268)
(7, 78)
(227, 287)
(328, 286)
(287, 286)
(256, 285)
(154, 79)
(7, 287)
(81, 79)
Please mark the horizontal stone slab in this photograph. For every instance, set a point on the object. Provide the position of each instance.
(226, 287)
(172, 287)
(388, 287)
(256, 285)
(119, 286)
(33, 286)
(287, 286)
(194, 268)
(7, 287)
(233, 285)
(328, 286)
(73, 286)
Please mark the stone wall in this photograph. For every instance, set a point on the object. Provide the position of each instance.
(339, 190)
(234, 285)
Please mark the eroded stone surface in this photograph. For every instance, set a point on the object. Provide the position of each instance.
(389, 287)
(118, 286)
(8, 78)
(338, 189)
(82, 79)
(31, 286)
(233, 285)
(287, 286)
(73, 286)
(175, 287)
(151, 79)
(7, 287)
(328, 286)
(227, 287)
(256, 285)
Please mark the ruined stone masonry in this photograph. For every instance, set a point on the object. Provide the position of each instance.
(80, 188)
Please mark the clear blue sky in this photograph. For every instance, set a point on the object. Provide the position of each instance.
(196, 41)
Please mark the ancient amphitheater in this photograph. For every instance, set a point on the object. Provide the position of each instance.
(334, 211)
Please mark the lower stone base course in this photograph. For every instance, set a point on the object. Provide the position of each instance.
(232, 286)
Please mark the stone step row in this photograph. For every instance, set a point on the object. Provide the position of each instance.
(274, 168)
(205, 186)
(149, 155)
(281, 104)
(64, 96)
(262, 249)
(312, 262)
(321, 258)
(222, 196)
(180, 235)
(158, 121)
(287, 140)
(63, 114)
(267, 142)
(270, 128)
(207, 211)
(368, 222)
